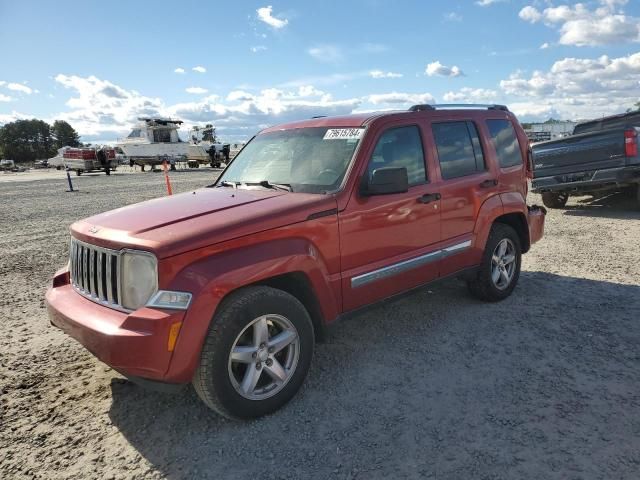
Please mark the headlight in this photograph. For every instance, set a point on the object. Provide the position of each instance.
(138, 278)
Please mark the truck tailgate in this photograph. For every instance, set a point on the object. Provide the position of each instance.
(579, 153)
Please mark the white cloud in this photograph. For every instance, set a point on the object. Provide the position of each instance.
(13, 116)
(326, 53)
(265, 14)
(530, 14)
(179, 70)
(395, 98)
(452, 17)
(100, 106)
(196, 90)
(19, 87)
(5, 98)
(239, 95)
(579, 87)
(486, 3)
(471, 95)
(381, 74)
(2, 82)
(309, 91)
(258, 48)
(579, 26)
(199, 69)
(544, 46)
(436, 68)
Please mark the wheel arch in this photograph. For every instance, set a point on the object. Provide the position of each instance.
(518, 222)
(298, 285)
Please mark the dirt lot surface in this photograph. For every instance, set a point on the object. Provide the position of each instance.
(435, 385)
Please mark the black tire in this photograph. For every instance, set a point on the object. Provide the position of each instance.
(212, 380)
(58, 168)
(78, 172)
(483, 286)
(555, 200)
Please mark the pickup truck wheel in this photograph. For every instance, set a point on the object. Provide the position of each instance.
(555, 200)
(257, 353)
(500, 267)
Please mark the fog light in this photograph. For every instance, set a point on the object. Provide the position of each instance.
(167, 299)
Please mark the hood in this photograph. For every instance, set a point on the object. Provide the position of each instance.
(171, 225)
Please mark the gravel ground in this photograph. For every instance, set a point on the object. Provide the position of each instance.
(435, 385)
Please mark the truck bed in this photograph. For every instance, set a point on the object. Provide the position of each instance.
(578, 153)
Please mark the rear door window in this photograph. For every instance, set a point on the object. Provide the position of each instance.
(400, 147)
(505, 142)
(459, 150)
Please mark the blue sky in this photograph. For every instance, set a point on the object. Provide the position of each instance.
(246, 65)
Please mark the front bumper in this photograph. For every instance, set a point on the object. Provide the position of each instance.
(135, 344)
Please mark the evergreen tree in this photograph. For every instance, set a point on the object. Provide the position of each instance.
(26, 140)
(64, 135)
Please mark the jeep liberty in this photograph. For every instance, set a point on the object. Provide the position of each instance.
(228, 287)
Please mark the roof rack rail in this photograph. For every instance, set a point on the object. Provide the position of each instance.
(421, 107)
(417, 108)
(318, 116)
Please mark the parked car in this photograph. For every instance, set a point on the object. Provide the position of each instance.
(600, 156)
(44, 163)
(7, 165)
(228, 287)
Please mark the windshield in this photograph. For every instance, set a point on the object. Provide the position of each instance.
(309, 160)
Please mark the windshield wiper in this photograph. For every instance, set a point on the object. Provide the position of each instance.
(274, 186)
(227, 183)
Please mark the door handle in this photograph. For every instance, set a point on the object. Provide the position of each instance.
(429, 197)
(489, 183)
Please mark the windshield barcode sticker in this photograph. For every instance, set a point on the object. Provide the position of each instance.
(343, 134)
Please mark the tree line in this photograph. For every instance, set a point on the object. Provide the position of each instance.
(29, 140)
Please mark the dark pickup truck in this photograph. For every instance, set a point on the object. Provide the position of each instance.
(601, 155)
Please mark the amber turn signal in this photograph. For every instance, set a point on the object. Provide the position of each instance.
(174, 330)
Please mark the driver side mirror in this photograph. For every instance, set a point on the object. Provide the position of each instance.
(385, 181)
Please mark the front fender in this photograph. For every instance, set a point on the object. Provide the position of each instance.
(213, 278)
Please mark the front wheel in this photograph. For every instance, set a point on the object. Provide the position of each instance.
(500, 268)
(555, 200)
(257, 353)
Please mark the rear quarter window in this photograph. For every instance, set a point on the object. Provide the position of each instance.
(459, 150)
(505, 141)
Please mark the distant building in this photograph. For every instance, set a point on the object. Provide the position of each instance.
(540, 132)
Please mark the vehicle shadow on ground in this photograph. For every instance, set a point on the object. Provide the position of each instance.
(619, 205)
(436, 384)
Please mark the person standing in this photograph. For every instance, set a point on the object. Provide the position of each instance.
(103, 158)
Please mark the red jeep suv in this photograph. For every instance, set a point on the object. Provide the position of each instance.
(228, 286)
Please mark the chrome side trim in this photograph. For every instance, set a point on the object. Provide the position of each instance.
(456, 248)
(410, 264)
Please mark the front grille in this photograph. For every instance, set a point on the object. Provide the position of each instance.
(95, 273)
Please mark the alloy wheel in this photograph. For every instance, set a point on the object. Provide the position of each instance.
(264, 357)
(503, 264)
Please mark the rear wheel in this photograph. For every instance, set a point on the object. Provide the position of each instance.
(555, 200)
(500, 268)
(256, 355)
(78, 172)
